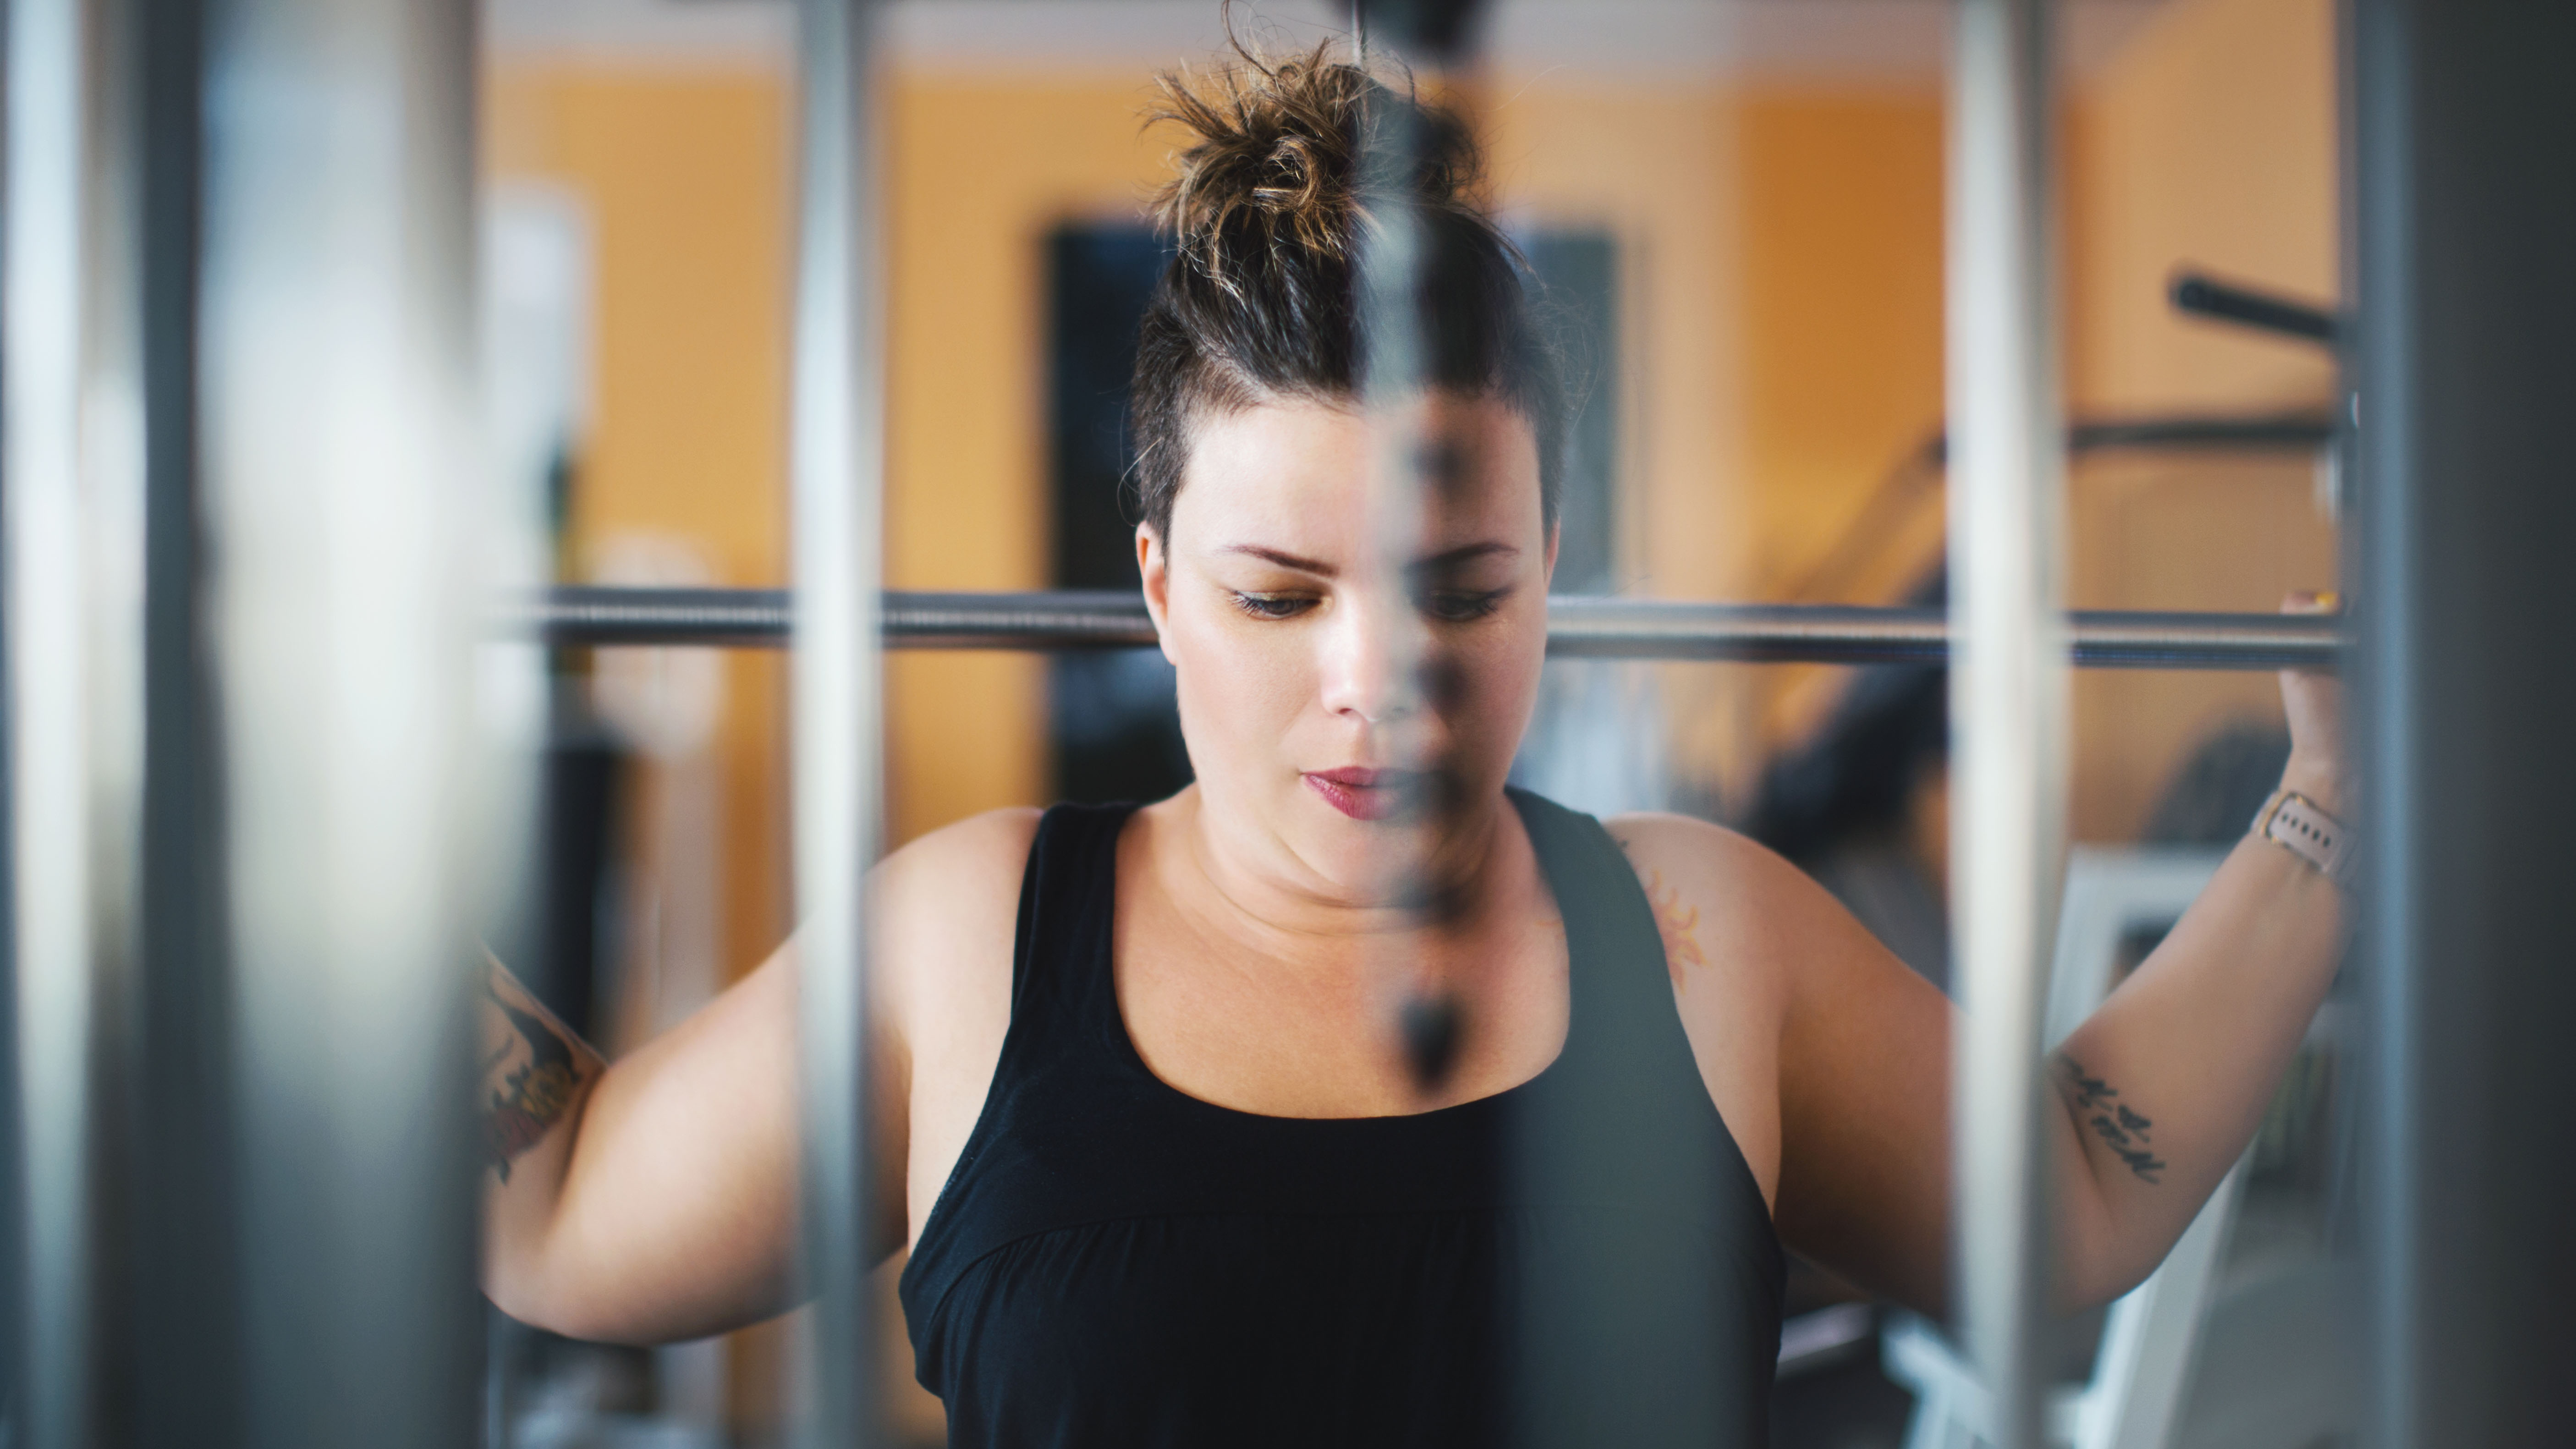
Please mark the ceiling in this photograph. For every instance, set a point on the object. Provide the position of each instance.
(1889, 41)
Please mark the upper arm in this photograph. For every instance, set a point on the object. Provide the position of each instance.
(947, 923)
(678, 1211)
(1857, 1046)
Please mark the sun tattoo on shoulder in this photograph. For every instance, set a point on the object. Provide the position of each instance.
(1678, 923)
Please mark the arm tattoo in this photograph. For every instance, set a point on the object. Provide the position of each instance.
(534, 1095)
(2128, 1134)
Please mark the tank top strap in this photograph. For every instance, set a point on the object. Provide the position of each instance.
(1622, 1132)
(1621, 991)
(1631, 1084)
(1063, 995)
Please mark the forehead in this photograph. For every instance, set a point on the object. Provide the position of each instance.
(1303, 467)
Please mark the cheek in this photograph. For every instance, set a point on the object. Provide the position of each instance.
(1485, 691)
(1236, 678)
(1484, 688)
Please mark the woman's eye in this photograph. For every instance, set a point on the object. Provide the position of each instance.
(1272, 606)
(1455, 607)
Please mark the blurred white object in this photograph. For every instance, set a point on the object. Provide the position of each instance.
(534, 280)
(665, 702)
(536, 285)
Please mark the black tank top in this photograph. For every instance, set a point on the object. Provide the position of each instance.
(1584, 1259)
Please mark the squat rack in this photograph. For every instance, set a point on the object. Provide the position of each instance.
(248, 809)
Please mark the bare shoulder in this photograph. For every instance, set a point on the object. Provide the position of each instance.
(969, 851)
(1726, 870)
(1683, 842)
(946, 908)
(947, 915)
(1730, 894)
(1718, 903)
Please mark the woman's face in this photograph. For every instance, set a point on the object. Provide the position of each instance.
(1349, 704)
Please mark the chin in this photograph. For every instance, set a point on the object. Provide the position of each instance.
(1379, 850)
(1370, 865)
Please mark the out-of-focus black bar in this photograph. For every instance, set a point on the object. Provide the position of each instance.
(2206, 296)
(178, 1377)
(2296, 432)
(1437, 30)
(1578, 627)
(2466, 137)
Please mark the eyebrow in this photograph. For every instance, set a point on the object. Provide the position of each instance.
(1452, 559)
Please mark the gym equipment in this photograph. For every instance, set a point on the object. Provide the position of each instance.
(1579, 627)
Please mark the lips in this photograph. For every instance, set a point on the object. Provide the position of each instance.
(1365, 794)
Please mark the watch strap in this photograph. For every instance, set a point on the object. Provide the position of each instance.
(2302, 827)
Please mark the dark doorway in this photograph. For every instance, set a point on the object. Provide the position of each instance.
(1116, 727)
(1579, 272)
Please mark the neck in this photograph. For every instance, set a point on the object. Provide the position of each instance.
(1253, 887)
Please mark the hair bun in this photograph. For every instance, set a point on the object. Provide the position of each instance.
(1270, 207)
(1277, 153)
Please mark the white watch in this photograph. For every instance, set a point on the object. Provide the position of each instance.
(2301, 826)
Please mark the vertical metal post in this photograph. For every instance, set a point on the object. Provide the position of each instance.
(2466, 135)
(1394, 362)
(835, 464)
(131, 1332)
(178, 1376)
(59, 759)
(342, 481)
(2008, 679)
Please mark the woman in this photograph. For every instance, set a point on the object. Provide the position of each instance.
(1170, 1170)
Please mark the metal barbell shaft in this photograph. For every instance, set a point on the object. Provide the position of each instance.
(1579, 627)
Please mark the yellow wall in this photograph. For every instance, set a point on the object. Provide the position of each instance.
(2209, 141)
(1781, 258)
(1731, 471)
(1842, 200)
(982, 170)
(1781, 247)
(684, 176)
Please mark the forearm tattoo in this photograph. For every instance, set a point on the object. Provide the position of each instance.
(535, 1072)
(2129, 1135)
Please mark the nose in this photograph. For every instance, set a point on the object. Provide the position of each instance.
(1372, 663)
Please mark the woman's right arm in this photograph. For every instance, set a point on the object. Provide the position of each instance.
(650, 1200)
(654, 1199)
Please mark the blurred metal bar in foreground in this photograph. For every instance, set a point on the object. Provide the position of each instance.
(72, 531)
(2009, 686)
(2464, 219)
(176, 1373)
(835, 482)
(1578, 628)
(338, 413)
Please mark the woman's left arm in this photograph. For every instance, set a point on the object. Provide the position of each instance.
(2165, 1083)
(2159, 1091)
